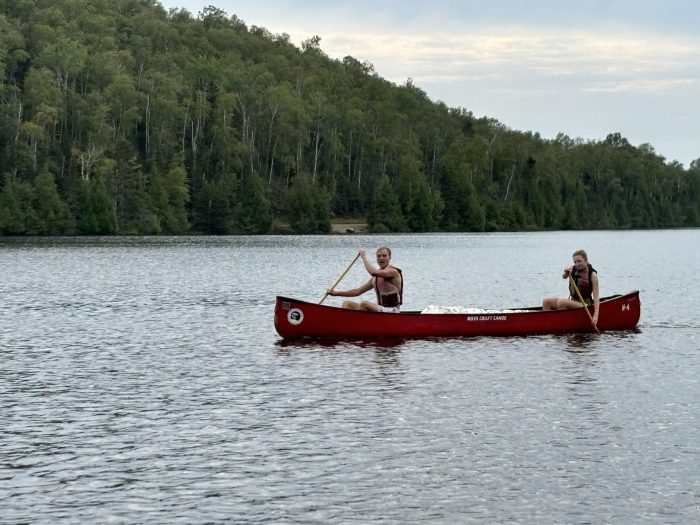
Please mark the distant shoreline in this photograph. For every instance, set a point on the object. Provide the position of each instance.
(349, 227)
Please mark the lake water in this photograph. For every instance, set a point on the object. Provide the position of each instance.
(141, 380)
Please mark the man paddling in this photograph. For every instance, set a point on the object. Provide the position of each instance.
(386, 280)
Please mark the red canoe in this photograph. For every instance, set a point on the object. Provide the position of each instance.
(295, 318)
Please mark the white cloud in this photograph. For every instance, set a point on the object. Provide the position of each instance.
(648, 86)
(584, 69)
(643, 64)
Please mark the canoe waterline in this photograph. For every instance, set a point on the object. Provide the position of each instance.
(296, 319)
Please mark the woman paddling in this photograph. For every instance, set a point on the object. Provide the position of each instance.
(583, 284)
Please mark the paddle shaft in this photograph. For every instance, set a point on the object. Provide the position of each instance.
(339, 278)
(580, 297)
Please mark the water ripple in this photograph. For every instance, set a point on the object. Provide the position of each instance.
(143, 382)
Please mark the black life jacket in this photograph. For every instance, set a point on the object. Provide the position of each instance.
(391, 299)
(585, 285)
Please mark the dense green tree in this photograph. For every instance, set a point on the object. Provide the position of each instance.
(130, 188)
(308, 207)
(417, 201)
(385, 214)
(53, 215)
(169, 196)
(216, 206)
(141, 120)
(96, 214)
(254, 214)
(462, 209)
(17, 215)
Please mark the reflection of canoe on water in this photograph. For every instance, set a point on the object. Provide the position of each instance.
(295, 318)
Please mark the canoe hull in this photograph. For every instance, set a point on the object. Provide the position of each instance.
(295, 319)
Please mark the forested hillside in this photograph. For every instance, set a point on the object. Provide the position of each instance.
(119, 117)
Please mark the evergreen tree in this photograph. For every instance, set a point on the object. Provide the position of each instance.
(17, 215)
(255, 213)
(308, 207)
(385, 214)
(216, 206)
(169, 196)
(133, 209)
(96, 213)
(53, 215)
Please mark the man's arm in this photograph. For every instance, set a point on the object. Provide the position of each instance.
(387, 273)
(352, 293)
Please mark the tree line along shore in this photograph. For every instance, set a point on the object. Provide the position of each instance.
(122, 117)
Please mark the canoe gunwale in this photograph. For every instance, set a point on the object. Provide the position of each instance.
(296, 318)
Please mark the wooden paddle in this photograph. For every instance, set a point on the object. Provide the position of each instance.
(339, 278)
(585, 307)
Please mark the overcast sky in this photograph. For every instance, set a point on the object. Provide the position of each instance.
(585, 68)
